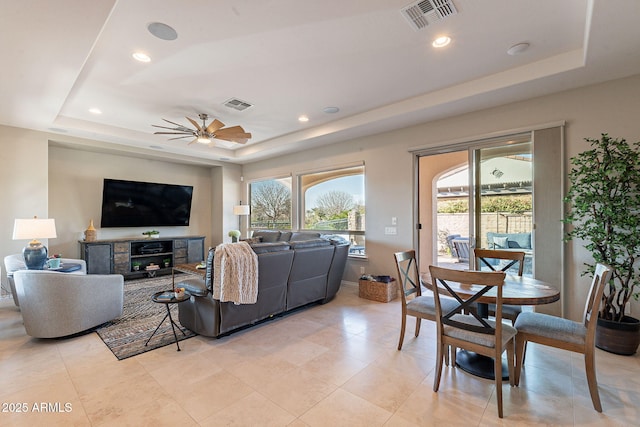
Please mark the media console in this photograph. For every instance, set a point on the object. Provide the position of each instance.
(121, 256)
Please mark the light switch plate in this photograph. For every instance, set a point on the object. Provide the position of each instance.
(390, 230)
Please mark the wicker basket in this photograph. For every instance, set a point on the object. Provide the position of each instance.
(378, 291)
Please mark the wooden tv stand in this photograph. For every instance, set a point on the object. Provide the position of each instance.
(120, 256)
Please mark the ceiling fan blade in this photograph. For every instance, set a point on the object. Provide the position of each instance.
(174, 123)
(214, 126)
(181, 128)
(193, 122)
(233, 130)
(237, 139)
(179, 137)
(173, 133)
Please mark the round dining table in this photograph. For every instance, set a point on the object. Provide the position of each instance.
(517, 290)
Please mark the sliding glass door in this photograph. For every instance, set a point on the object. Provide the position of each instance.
(499, 193)
(502, 198)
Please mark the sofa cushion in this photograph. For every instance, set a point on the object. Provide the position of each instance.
(261, 248)
(501, 242)
(285, 236)
(335, 239)
(515, 240)
(194, 286)
(309, 243)
(268, 236)
(298, 236)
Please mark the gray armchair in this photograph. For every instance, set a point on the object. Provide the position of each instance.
(59, 304)
(15, 262)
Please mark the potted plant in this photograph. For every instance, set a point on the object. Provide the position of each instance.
(234, 234)
(604, 200)
(151, 234)
(167, 262)
(136, 265)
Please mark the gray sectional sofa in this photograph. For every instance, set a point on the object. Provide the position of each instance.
(294, 269)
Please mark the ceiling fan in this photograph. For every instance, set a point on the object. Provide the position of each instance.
(205, 134)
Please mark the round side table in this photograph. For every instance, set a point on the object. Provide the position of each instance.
(167, 298)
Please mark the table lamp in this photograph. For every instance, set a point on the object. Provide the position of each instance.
(35, 254)
(241, 210)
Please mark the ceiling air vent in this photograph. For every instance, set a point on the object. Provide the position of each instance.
(426, 12)
(237, 104)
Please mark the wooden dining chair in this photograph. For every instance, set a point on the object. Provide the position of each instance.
(484, 257)
(413, 302)
(470, 331)
(566, 334)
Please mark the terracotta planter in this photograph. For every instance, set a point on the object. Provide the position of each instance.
(618, 337)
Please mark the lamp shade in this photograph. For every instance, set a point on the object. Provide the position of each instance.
(35, 253)
(34, 228)
(241, 210)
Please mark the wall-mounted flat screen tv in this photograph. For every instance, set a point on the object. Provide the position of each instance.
(144, 204)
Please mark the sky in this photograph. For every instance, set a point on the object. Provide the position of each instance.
(353, 185)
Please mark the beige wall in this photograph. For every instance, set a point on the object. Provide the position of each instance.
(431, 168)
(611, 107)
(75, 194)
(23, 179)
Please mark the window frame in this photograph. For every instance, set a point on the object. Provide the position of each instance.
(301, 206)
(292, 201)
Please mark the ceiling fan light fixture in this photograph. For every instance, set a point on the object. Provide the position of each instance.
(203, 139)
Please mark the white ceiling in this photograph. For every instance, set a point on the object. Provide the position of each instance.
(293, 57)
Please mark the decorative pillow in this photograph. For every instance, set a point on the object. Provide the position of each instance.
(268, 236)
(253, 240)
(501, 242)
(285, 236)
(300, 236)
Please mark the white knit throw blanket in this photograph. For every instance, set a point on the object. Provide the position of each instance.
(235, 273)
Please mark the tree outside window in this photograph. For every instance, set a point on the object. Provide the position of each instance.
(271, 203)
(333, 202)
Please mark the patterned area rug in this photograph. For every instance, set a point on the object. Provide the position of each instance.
(126, 335)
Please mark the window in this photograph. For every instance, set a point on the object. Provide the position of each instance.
(271, 203)
(333, 202)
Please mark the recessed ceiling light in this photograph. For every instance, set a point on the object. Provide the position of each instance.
(142, 57)
(95, 111)
(303, 119)
(331, 110)
(441, 41)
(517, 49)
(162, 31)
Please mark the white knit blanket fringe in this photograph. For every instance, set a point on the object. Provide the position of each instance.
(235, 273)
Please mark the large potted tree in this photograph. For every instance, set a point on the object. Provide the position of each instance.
(604, 211)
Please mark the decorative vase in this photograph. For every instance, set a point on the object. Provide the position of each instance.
(618, 337)
(90, 234)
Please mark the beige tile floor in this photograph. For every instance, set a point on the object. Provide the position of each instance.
(330, 365)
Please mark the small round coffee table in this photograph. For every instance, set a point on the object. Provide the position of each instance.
(167, 298)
